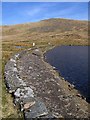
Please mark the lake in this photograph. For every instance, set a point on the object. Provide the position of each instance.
(72, 64)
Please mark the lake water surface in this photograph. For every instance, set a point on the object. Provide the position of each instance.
(72, 64)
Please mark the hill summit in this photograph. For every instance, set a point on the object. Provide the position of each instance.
(55, 30)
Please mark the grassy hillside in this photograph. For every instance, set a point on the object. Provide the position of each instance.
(47, 28)
(46, 34)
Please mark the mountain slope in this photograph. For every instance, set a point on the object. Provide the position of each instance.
(50, 25)
(63, 30)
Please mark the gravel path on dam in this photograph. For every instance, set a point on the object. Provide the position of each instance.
(38, 91)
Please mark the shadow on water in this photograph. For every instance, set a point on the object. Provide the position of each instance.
(72, 64)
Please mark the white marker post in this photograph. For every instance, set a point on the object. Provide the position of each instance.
(33, 44)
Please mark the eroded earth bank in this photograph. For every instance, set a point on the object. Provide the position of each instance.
(39, 91)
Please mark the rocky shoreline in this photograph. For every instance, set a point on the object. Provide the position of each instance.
(39, 91)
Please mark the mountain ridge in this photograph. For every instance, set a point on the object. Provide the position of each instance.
(56, 31)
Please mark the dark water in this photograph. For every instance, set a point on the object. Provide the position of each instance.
(72, 63)
(19, 47)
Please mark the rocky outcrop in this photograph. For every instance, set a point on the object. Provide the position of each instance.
(37, 90)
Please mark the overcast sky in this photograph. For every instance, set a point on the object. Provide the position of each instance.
(22, 12)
